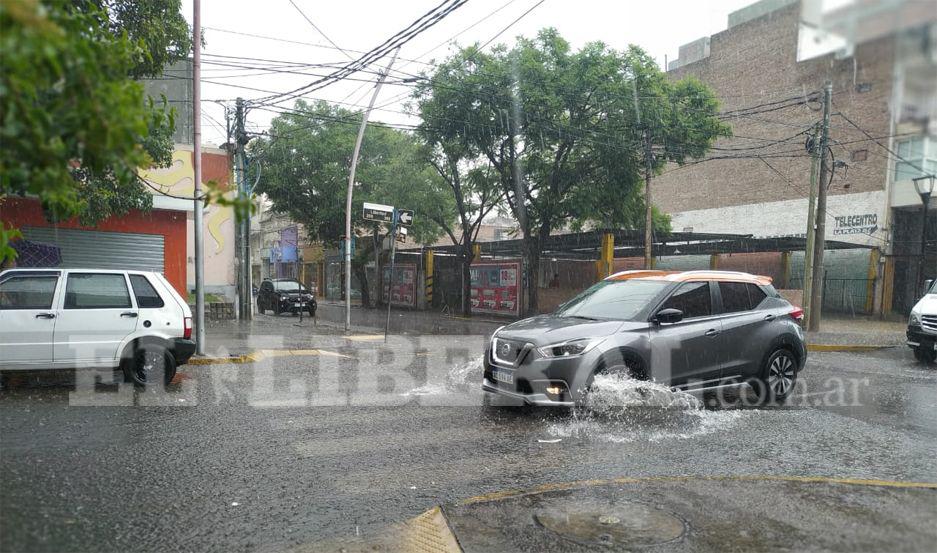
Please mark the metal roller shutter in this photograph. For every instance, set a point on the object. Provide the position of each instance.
(102, 250)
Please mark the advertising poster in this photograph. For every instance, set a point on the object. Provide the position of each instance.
(403, 287)
(496, 288)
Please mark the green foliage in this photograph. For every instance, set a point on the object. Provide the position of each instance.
(561, 127)
(305, 173)
(565, 130)
(74, 125)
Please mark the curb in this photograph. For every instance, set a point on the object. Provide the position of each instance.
(847, 347)
(260, 355)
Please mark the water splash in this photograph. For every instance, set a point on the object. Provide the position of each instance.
(464, 378)
(621, 409)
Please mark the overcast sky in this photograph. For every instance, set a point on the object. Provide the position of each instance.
(658, 26)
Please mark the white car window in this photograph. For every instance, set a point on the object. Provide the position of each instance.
(96, 291)
(27, 292)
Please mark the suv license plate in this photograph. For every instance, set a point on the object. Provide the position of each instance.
(503, 376)
(297, 305)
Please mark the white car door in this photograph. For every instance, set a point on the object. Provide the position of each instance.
(27, 317)
(97, 313)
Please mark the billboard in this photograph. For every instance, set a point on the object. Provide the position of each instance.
(403, 286)
(496, 288)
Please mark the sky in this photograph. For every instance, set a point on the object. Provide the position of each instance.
(658, 26)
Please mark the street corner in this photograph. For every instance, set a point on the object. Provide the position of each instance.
(767, 513)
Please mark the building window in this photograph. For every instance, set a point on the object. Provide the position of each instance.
(918, 157)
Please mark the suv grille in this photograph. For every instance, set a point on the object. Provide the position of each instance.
(506, 351)
(929, 322)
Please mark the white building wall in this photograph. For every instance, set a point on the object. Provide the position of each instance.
(855, 218)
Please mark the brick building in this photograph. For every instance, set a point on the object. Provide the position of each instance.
(884, 80)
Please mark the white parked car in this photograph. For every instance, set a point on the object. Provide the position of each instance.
(922, 325)
(80, 318)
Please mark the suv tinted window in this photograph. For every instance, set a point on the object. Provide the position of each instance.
(692, 298)
(27, 292)
(740, 296)
(147, 296)
(96, 291)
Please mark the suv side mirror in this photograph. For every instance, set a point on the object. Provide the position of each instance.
(668, 316)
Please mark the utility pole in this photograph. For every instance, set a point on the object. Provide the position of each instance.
(351, 189)
(198, 205)
(811, 223)
(816, 287)
(245, 307)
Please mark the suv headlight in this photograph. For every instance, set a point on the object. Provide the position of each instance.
(495, 333)
(914, 319)
(570, 348)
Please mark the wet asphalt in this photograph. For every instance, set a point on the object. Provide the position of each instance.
(247, 458)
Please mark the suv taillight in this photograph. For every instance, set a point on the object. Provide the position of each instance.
(187, 329)
(797, 314)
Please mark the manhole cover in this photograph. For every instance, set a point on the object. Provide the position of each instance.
(621, 524)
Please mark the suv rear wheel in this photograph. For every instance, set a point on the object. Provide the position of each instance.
(150, 363)
(778, 377)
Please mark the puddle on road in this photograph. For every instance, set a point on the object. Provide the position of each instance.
(621, 409)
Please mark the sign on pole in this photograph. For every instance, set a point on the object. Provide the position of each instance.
(378, 212)
(405, 216)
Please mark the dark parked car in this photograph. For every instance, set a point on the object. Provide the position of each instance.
(694, 330)
(285, 296)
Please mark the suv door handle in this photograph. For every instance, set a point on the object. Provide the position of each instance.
(128, 314)
(769, 317)
(712, 332)
(45, 315)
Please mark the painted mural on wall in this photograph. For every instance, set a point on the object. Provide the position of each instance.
(403, 286)
(177, 180)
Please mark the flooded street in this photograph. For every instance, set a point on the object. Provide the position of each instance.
(223, 467)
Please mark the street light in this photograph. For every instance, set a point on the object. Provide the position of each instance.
(925, 188)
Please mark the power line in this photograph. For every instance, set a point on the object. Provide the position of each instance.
(318, 30)
(511, 24)
(884, 147)
(402, 37)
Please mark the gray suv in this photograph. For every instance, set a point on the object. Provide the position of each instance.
(693, 330)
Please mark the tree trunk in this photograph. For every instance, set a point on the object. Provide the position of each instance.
(532, 264)
(466, 262)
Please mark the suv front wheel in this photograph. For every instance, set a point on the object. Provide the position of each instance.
(150, 363)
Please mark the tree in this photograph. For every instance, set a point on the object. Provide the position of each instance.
(475, 191)
(306, 160)
(74, 125)
(560, 130)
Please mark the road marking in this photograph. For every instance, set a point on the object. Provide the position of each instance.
(365, 337)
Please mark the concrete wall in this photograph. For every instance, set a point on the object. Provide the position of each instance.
(753, 63)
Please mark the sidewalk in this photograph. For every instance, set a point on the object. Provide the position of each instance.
(858, 331)
(285, 332)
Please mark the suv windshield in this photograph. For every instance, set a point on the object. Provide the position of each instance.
(612, 299)
(287, 285)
